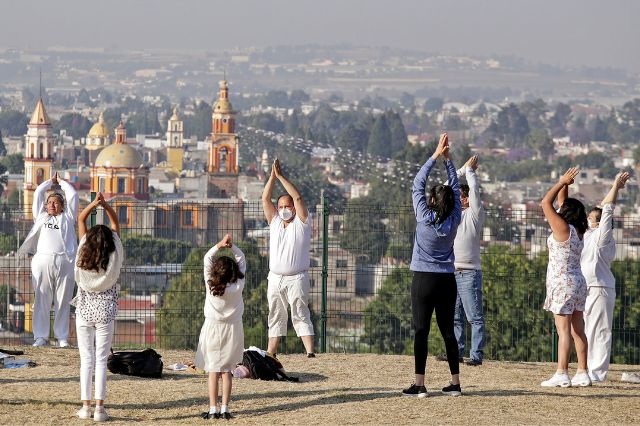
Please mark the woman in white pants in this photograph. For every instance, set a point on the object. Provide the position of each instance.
(97, 269)
(52, 241)
(598, 253)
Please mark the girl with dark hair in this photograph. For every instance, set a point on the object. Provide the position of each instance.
(221, 341)
(438, 215)
(97, 268)
(566, 286)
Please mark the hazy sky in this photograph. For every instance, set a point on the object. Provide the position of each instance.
(576, 32)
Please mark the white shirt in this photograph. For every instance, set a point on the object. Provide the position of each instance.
(289, 247)
(67, 221)
(599, 251)
(229, 307)
(466, 246)
(50, 240)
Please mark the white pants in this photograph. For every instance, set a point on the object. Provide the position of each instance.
(598, 321)
(53, 281)
(293, 290)
(94, 343)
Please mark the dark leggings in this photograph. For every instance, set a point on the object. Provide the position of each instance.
(429, 291)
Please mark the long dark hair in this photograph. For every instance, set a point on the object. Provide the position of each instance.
(225, 270)
(573, 212)
(441, 202)
(98, 245)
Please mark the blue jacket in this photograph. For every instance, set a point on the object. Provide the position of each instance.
(433, 243)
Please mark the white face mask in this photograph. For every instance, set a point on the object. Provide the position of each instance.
(285, 214)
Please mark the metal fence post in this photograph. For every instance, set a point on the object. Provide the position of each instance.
(325, 260)
(94, 212)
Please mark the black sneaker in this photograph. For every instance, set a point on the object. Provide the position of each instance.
(226, 415)
(413, 390)
(311, 355)
(474, 362)
(452, 390)
(443, 357)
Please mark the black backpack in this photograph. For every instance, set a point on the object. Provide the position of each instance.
(146, 363)
(265, 367)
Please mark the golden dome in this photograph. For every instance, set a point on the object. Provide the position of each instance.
(223, 106)
(119, 155)
(99, 130)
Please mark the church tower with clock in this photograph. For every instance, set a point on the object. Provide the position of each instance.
(222, 164)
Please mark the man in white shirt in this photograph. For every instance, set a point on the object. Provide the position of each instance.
(289, 246)
(53, 242)
(597, 254)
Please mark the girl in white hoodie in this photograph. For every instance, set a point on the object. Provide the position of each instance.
(221, 341)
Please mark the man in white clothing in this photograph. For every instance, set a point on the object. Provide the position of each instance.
(598, 253)
(53, 242)
(289, 246)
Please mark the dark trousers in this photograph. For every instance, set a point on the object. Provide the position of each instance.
(429, 291)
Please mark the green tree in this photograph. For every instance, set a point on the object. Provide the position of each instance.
(364, 233)
(398, 133)
(433, 104)
(76, 125)
(3, 149)
(540, 141)
(14, 163)
(182, 313)
(387, 318)
(352, 138)
(379, 143)
(144, 249)
(13, 123)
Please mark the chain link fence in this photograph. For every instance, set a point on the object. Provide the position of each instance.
(360, 278)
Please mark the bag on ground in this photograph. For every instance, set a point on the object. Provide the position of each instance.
(265, 367)
(146, 363)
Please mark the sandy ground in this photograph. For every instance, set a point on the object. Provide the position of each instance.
(333, 388)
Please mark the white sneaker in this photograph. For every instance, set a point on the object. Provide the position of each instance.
(557, 380)
(581, 379)
(40, 342)
(630, 377)
(63, 343)
(100, 415)
(84, 413)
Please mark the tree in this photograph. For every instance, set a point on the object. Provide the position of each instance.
(352, 138)
(540, 141)
(181, 316)
(364, 233)
(433, 104)
(387, 318)
(14, 163)
(398, 133)
(13, 123)
(560, 119)
(3, 149)
(379, 143)
(76, 125)
(143, 250)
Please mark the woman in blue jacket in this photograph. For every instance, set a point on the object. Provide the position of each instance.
(438, 215)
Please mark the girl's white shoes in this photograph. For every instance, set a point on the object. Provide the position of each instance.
(99, 415)
(581, 379)
(85, 412)
(557, 380)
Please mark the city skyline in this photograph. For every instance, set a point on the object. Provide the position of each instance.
(570, 33)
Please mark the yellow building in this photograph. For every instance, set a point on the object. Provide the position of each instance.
(98, 136)
(38, 158)
(175, 148)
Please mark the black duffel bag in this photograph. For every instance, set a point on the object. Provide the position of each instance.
(146, 363)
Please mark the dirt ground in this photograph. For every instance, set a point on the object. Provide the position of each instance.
(333, 389)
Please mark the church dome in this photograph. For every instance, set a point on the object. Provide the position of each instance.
(99, 130)
(223, 106)
(119, 155)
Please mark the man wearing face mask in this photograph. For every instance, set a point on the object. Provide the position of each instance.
(52, 240)
(289, 246)
(598, 253)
